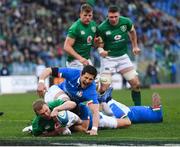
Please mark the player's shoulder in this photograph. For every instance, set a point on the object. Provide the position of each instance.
(93, 23)
(75, 24)
(124, 19)
(103, 24)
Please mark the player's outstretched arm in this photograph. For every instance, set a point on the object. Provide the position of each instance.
(41, 88)
(95, 112)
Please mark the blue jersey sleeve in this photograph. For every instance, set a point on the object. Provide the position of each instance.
(106, 96)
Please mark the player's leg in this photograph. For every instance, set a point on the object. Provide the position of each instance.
(86, 116)
(111, 122)
(119, 110)
(126, 68)
(1, 113)
(147, 114)
(53, 93)
(156, 101)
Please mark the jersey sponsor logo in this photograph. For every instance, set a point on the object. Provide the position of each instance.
(89, 39)
(117, 37)
(93, 29)
(123, 28)
(108, 32)
(79, 93)
(82, 32)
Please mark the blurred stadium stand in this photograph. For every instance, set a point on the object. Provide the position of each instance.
(32, 34)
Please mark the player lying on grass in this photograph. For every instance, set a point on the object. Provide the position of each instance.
(137, 114)
(86, 115)
(45, 125)
(78, 86)
(105, 121)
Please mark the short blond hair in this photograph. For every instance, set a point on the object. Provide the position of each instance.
(38, 104)
(86, 8)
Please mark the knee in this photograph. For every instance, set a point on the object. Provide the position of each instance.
(135, 84)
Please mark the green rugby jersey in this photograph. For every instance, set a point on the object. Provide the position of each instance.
(115, 38)
(84, 38)
(40, 125)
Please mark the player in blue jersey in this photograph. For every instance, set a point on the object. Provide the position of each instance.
(78, 86)
(86, 115)
(137, 114)
(105, 121)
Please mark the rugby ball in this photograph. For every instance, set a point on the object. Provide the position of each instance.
(63, 118)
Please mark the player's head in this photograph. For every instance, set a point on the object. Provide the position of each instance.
(86, 13)
(88, 74)
(41, 108)
(105, 81)
(113, 15)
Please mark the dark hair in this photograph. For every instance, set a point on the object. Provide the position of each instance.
(86, 8)
(38, 104)
(113, 9)
(89, 69)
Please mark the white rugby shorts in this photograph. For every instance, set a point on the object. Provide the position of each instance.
(115, 64)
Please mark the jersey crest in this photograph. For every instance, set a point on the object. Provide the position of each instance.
(93, 29)
(79, 93)
(123, 28)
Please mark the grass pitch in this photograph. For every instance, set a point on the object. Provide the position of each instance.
(18, 114)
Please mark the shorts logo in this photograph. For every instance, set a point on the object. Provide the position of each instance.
(82, 32)
(89, 39)
(108, 32)
(93, 29)
(117, 37)
(123, 28)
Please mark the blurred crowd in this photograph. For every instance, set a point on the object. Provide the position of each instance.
(32, 33)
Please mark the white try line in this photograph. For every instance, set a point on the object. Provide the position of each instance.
(16, 120)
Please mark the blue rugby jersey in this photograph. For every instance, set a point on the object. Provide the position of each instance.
(72, 87)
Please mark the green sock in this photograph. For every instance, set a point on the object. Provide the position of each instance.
(136, 97)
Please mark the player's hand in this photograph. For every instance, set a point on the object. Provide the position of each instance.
(54, 113)
(84, 61)
(104, 53)
(136, 51)
(98, 41)
(92, 132)
(41, 89)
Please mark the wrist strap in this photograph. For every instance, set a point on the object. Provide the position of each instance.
(41, 81)
(100, 50)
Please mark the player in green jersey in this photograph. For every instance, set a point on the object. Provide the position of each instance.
(114, 33)
(45, 125)
(80, 39)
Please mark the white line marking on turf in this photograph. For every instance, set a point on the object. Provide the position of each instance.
(15, 120)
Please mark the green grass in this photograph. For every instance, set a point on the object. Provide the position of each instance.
(18, 114)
